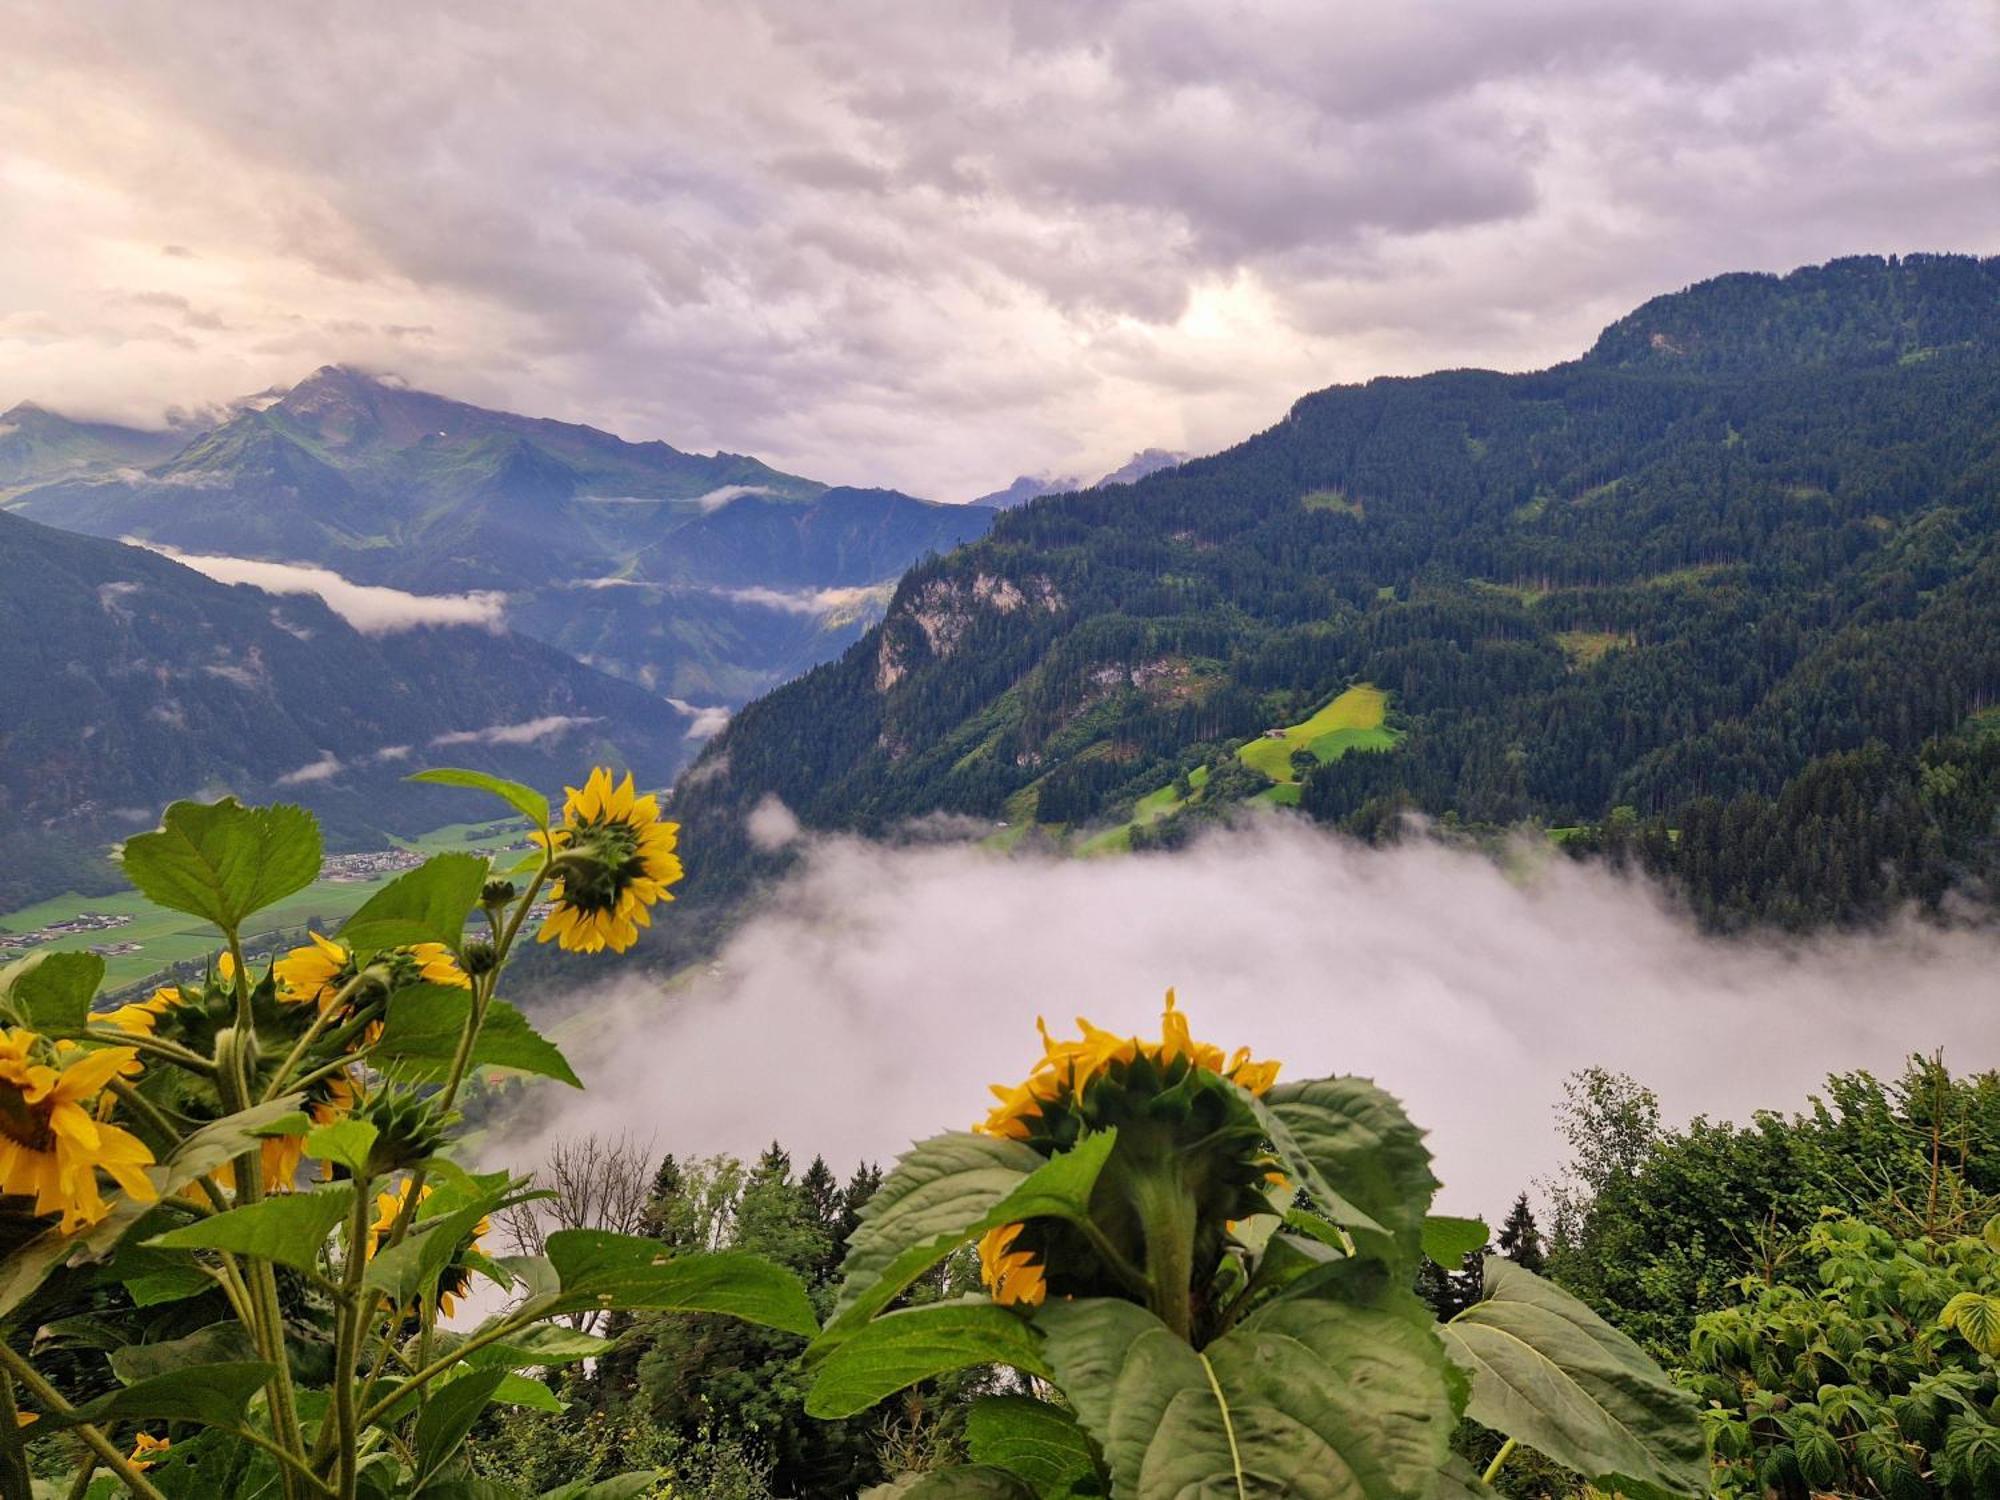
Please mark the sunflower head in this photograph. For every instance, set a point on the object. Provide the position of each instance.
(314, 972)
(53, 1141)
(614, 859)
(456, 1277)
(1189, 1149)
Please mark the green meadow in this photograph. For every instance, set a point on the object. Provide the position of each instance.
(1353, 721)
(166, 938)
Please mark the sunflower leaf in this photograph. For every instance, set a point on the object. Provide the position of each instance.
(1547, 1370)
(345, 1143)
(214, 1395)
(411, 1267)
(956, 1482)
(523, 799)
(216, 1144)
(602, 1269)
(426, 905)
(1448, 1241)
(290, 1228)
(51, 992)
(448, 1417)
(1351, 1147)
(1036, 1440)
(222, 861)
(218, 1343)
(946, 1192)
(901, 1348)
(426, 1022)
(1317, 1400)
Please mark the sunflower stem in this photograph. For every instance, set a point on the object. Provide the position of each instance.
(14, 1480)
(1499, 1460)
(348, 1334)
(1166, 1212)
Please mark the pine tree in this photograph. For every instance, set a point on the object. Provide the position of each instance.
(1520, 1239)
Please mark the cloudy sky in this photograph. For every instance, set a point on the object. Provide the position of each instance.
(938, 245)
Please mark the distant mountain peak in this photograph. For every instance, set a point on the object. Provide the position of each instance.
(1028, 487)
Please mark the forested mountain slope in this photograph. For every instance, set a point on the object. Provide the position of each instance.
(1727, 586)
(127, 680)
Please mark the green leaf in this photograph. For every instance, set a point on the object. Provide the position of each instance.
(289, 1228)
(946, 1192)
(523, 799)
(219, 1343)
(618, 1487)
(1547, 1370)
(345, 1143)
(959, 1482)
(520, 1390)
(1350, 1146)
(540, 1346)
(23, 1270)
(447, 1418)
(602, 1269)
(901, 1348)
(427, 905)
(1034, 1439)
(1976, 1316)
(221, 861)
(51, 992)
(1458, 1480)
(1310, 1400)
(227, 1138)
(426, 1021)
(1448, 1241)
(212, 1395)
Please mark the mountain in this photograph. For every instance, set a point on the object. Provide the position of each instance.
(1721, 596)
(127, 680)
(38, 446)
(1028, 487)
(392, 486)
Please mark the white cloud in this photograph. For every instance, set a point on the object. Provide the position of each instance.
(715, 499)
(709, 719)
(527, 733)
(808, 601)
(912, 978)
(369, 608)
(325, 768)
(1033, 236)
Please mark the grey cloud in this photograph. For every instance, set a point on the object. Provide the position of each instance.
(1031, 235)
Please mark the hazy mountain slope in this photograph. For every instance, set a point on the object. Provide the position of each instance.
(127, 680)
(38, 447)
(1681, 568)
(387, 485)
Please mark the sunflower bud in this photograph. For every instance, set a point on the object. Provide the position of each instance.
(407, 1131)
(478, 957)
(497, 893)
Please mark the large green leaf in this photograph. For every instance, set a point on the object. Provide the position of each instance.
(213, 1395)
(410, 1268)
(1547, 1370)
(946, 1192)
(51, 992)
(1458, 1480)
(960, 1482)
(1350, 1146)
(425, 1022)
(1306, 1399)
(24, 1270)
(221, 861)
(447, 1418)
(540, 1346)
(618, 1487)
(523, 799)
(901, 1348)
(1037, 1440)
(602, 1269)
(427, 905)
(289, 1228)
(226, 1342)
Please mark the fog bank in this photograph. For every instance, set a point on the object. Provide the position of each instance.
(882, 991)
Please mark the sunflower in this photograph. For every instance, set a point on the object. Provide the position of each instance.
(51, 1143)
(142, 1017)
(1172, 1095)
(279, 1157)
(1012, 1276)
(437, 964)
(616, 859)
(456, 1277)
(313, 972)
(146, 1452)
(1068, 1068)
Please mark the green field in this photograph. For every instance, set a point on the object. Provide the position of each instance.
(1149, 809)
(170, 937)
(1353, 721)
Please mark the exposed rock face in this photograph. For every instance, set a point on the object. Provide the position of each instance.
(944, 610)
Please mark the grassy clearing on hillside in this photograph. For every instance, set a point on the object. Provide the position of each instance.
(1334, 500)
(1353, 721)
(1148, 810)
(1586, 648)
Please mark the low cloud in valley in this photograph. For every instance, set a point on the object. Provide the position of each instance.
(369, 608)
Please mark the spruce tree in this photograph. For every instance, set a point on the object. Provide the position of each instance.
(1520, 1239)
